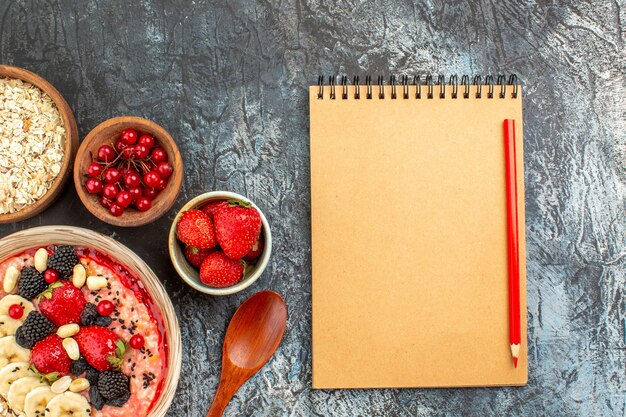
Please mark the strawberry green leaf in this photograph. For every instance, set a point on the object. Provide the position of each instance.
(48, 291)
(117, 360)
(49, 378)
(121, 349)
(233, 202)
(114, 362)
(247, 267)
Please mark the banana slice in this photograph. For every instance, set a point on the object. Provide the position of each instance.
(11, 352)
(11, 299)
(68, 404)
(36, 401)
(19, 389)
(8, 325)
(11, 373)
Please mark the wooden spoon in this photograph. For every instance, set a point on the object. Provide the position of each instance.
(252, 337)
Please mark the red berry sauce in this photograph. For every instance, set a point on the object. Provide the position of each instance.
(131, 281)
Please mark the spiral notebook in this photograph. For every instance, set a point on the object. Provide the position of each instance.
(409, 233)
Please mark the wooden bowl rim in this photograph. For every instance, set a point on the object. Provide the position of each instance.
(71, 142)
(138, 218)
(182, 266)
(43, 235)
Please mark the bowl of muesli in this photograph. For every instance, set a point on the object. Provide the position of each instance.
(38, 141)
(86, 328)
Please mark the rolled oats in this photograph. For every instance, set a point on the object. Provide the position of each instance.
(5, 411)
(32, 142)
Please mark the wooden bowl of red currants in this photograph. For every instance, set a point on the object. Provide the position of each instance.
(128, 171)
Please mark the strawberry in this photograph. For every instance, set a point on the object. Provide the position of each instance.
(49, 355)
(100, 346)
(195, 228)
(220, 271)
(256, 251)
(210, 208)
(195, 256)
(237, 227)
(62, 303)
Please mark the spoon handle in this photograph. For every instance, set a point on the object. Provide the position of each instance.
(224, 394)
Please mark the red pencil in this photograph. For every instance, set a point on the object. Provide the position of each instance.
(513, 239)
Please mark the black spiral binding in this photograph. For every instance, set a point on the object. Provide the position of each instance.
(453, 82)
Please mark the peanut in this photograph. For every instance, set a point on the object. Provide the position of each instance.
(95, 283)
(61, 385)
(41, 259)
(79, 276)
(79, 385)
(11, 277)
(67, 330)
(71, 347)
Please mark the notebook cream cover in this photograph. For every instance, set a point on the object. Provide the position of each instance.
(409, 237)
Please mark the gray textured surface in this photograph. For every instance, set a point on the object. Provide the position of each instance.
(227, 79)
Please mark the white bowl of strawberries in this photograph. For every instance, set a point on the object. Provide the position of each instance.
(220, 243)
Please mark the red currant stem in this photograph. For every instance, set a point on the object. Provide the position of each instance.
(118, 156)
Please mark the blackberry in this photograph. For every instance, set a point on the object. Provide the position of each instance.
(89, 315)
(63, 261)
(79, 366)
(103, 321)
(92, 375)
(96, 399)
(35, 328)
(119, 401)
(31, 283)
(113, 385)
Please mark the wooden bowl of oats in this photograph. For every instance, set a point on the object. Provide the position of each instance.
(38, 141)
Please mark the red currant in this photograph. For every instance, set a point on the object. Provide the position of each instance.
(162, 184)
(105, 202)
(16, 312)
(135, 193)
(137, 341)
(112, 175)
(110, 191)
(120, 146)
(129, 136)
(142, 151)
(150, 193)
(146, 140)
(105, 308)
(129, 152)
(50, 276)
(143, 204)
(165, 169)
(106, 153)
(94, 170)
(123, 199)
(132, 179)
(116, 210)
(93, 185)
(124, 170)
(152, 179)
(159, 155)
